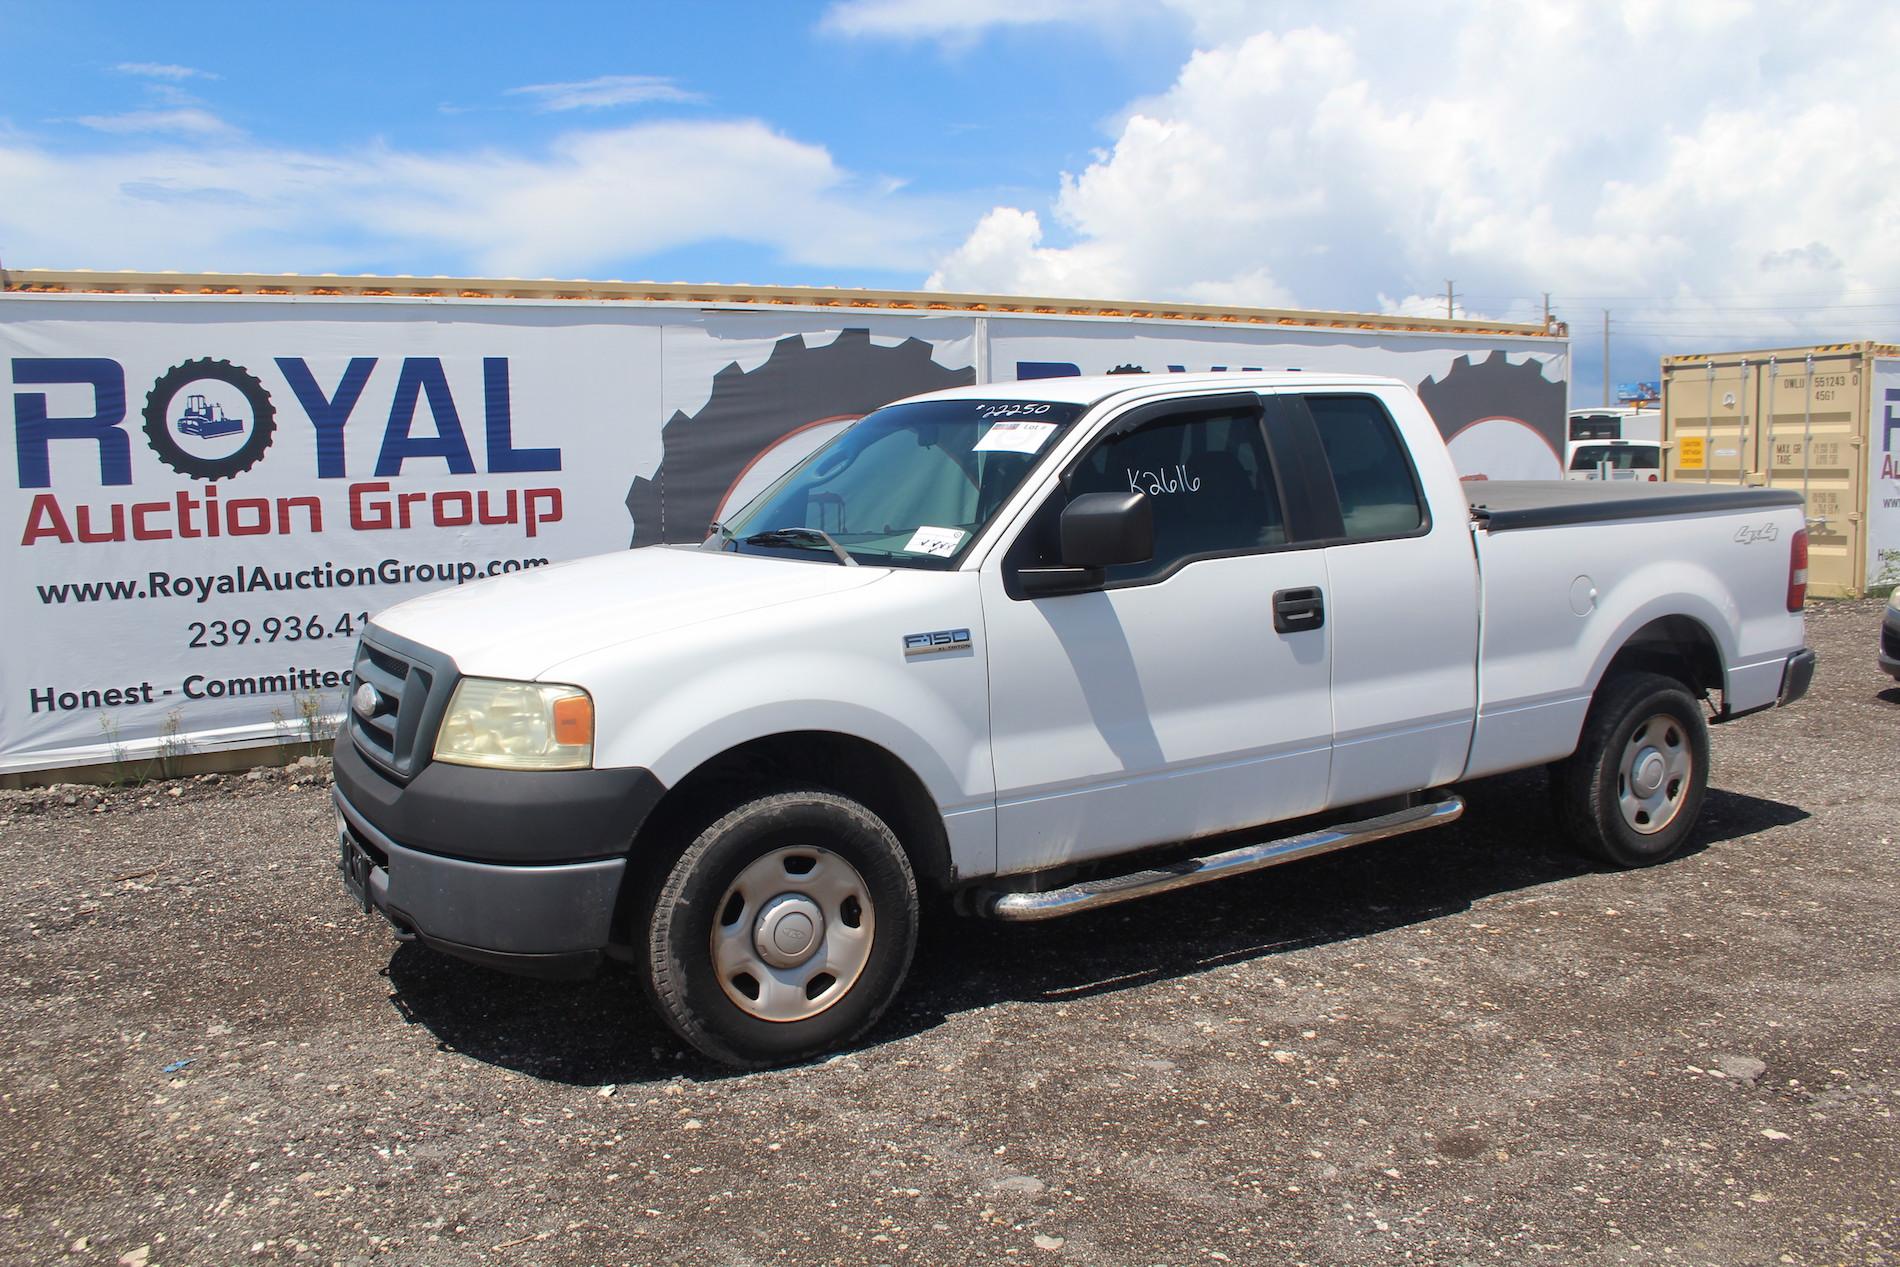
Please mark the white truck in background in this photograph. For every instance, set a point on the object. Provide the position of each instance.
(1614, 442)
(1043, 647)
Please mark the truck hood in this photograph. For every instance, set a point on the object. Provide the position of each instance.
(520, 625)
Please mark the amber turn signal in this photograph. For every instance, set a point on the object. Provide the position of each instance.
(574, 720)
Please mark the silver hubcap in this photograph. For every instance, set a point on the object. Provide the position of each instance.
(793, 935)
(1654, 774)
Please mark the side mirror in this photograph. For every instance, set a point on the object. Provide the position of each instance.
(1097, 531)
(1100, 530)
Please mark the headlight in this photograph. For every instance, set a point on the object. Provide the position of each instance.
(517, 726)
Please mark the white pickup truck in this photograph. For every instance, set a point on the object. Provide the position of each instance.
(1025, 645)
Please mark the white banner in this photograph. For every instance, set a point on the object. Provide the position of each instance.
(212, 496)
(1883, 479)
(1500, 402)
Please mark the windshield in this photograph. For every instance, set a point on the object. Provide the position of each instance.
(1621, 457)
(909, 485)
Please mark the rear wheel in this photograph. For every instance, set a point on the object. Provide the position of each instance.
(1631, 793)
(783, 931)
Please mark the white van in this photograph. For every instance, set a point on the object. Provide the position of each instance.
(1614, 459)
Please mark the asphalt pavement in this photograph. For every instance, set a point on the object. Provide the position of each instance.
(1460, 1047)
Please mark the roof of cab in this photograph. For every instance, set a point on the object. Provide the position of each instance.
(1093, 390)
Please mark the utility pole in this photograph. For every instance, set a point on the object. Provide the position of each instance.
(1451, 300)
(1546, 311)
(1606, 358)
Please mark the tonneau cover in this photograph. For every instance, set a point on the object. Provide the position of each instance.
(1503, 505)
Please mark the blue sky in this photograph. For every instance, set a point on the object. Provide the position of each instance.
(1286, 153)
(964, 124)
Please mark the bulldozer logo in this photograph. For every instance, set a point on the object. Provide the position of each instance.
(209, 419)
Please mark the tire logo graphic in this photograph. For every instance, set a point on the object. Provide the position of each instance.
(705, 455)
(209, 419)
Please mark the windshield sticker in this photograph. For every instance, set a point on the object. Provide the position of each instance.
(942, 542)
(1016, 436)
(1014, 409)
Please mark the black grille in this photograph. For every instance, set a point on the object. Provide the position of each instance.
(1890, 642)
(412, 686)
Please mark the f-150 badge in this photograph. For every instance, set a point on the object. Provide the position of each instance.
(936, 641)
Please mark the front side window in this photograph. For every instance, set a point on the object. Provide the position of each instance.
(1378, 493)
(1209, 478)
(909, 485)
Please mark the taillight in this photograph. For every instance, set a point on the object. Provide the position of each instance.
(1798, 570)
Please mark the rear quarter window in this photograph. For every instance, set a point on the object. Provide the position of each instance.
(1372, 473)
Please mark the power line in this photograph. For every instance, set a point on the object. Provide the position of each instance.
(1764, 308)
(1836, 301)
(1788, 296)
(1740, 323)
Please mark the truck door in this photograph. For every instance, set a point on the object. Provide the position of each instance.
(1189, 694)
(1403, 603)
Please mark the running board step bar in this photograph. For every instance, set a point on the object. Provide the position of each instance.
(1092, 894)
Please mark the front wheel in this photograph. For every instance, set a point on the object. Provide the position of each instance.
(783, 931)
(1632, 791)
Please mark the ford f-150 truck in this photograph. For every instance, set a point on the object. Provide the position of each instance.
(1040, 647)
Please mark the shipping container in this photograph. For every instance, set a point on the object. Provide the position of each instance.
(1823, 419)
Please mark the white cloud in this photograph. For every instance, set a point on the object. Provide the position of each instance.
(590, 201)
(163, 70)
(604, 91)
(188, 121)
(1331, 156)
(953, 19)
(1008, 242)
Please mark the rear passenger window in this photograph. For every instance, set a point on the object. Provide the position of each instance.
(1372, 473)
(1208, 477)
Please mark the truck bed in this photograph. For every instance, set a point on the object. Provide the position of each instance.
(1504, 505)
(1557, 604)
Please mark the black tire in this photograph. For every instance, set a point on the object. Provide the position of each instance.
(158, 427)
(696, 897)
(1609, 815)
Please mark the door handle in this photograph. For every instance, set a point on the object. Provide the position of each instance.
(1295, 611)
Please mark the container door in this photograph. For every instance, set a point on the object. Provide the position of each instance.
(1710, 416)
(1813, 411)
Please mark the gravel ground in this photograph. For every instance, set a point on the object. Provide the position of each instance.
(1461, 1047)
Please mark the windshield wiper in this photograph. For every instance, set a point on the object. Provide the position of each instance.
(785, 536)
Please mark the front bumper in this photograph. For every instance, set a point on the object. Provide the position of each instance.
(540, 920)
(528, 816)
(1890, 642)
(517, 870)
